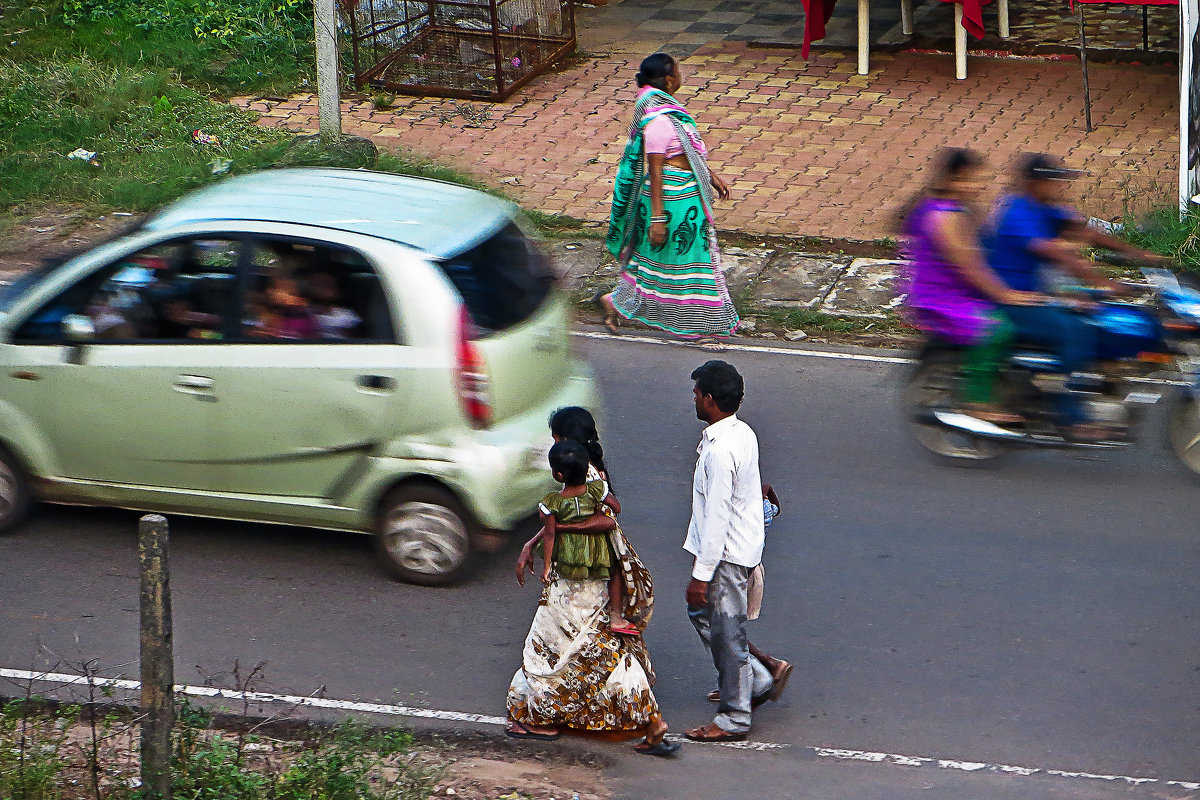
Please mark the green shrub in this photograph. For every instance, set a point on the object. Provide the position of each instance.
(32, 739)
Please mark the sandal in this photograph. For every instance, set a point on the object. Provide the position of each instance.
(780, 675)
(714, 733)
(519, 731)
(660, 748)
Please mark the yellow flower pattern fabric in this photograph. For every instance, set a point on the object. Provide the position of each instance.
(575, 673)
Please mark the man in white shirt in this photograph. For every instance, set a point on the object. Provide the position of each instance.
(726, 538)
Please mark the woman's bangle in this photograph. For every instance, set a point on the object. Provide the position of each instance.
(655, 220)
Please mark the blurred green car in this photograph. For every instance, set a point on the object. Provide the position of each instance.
(337, 349)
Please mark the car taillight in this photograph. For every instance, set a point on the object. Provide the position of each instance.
(472, 375)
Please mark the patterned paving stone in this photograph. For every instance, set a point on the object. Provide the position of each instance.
(829, 153)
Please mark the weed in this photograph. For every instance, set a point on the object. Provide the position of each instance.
(32, 740)
(1162, 230)
(383, 101)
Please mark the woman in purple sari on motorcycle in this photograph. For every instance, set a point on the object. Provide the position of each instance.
(952, 292)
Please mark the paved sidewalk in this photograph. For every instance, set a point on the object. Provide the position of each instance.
(809, 148)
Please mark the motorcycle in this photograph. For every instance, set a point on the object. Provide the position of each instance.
(1146, 347)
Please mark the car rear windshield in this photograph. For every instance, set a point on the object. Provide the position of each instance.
(503, 281)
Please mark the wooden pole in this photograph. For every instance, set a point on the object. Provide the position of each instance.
(864, 36)
(960, 44)
(157, 659)
(329, 103)
(1145, 27)
(1087, 89)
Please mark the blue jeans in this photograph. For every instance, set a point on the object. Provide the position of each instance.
(1067, 335)
(722, 627)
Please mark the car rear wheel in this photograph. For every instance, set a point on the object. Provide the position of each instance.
(424, 535)
(15, 498)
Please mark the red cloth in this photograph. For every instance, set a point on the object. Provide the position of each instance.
(972, 15)
(816, 14)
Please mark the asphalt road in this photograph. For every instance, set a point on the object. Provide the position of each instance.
(1042, 613)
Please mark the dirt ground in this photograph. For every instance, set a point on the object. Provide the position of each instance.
(26, 241)
(496, 777)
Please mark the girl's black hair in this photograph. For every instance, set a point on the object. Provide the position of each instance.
(576, 424)
(951, 162)
(654, 71)
(569, 461)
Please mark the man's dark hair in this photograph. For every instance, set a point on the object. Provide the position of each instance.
(722, 382)
(569, 460)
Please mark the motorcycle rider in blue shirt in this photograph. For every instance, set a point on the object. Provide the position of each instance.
(1033, 234)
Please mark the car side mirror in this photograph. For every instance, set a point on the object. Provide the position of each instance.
(78, 328)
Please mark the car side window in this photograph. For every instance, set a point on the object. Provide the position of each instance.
(298, 291)
(178, 291)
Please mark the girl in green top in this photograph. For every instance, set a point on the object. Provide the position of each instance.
(579, 556)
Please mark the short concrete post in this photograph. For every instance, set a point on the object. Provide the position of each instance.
(864, 36)
(329, 104)
(157, 658)
(960, 43)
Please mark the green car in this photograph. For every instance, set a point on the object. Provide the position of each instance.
(337, 349)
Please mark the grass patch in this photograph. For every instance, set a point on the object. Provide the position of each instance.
(807, 320)
(139, 123)
(1163, 231)
(228, 47)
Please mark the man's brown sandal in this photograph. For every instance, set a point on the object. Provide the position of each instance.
(714, 733)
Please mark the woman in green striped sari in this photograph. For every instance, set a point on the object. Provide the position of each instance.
(661, 231)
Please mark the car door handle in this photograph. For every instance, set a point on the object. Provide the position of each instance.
(193, 384)
(376, 383)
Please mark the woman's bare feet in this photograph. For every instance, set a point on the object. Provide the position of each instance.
(605, 303)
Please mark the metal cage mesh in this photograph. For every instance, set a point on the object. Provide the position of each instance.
(481, 49)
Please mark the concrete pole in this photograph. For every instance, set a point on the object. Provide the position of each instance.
(157, 658)
(960, 44)
(1003, 11)
(906, 17)
(328, 100)
(864, 36)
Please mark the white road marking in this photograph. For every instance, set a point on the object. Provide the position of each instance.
(894, 759)
(803, 353)
(981, 766)
(749, 348)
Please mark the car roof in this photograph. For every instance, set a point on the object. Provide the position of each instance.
(442, 219)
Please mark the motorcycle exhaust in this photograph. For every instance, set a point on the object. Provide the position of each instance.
(973, 426)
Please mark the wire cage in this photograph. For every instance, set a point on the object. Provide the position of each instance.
(476, 49)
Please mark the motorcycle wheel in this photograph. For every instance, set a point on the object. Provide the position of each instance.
(932, 386)
(1183, 432)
